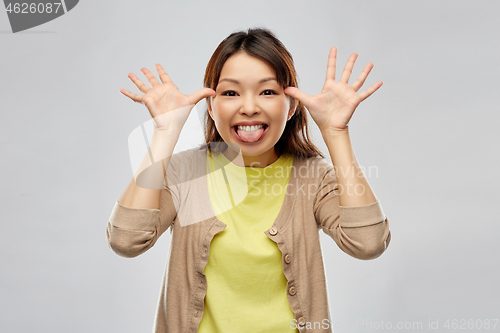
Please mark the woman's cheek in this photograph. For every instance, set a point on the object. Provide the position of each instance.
(282, 108)
(225, 106)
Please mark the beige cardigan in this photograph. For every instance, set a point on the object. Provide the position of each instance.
(311, 203)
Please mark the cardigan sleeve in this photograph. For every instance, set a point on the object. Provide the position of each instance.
(360, 231)
(132, 231)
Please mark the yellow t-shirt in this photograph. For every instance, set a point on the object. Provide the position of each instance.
(246, 287)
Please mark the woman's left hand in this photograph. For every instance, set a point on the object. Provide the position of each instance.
(334, 106)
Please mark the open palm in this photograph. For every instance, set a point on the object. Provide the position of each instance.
(162, 99)
(334, 106)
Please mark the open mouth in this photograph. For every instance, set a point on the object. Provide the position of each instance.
(250, 133)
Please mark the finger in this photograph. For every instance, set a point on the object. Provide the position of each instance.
(362, 77)
(297, 94)
(200, 94)
(138, 83)
(332, 63)
(346, 74)
(164, 77)
(365, 94)
(151, 78)
(132, 96)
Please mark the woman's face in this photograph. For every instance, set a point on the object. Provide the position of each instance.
(249, 95)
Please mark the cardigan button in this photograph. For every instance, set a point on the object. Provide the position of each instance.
(302, 322)
(292, 290)
(273, 231)
(287, 259)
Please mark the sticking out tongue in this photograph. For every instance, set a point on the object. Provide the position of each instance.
(250, 136)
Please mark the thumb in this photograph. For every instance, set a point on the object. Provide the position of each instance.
(200, 94)
(297, 94)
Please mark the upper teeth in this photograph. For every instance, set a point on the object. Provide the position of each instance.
(250, 128)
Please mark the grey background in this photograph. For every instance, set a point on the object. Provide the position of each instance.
(431, 131)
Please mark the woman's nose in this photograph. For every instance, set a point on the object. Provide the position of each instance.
(249, 106)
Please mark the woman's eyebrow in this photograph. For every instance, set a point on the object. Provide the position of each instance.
(238, 82)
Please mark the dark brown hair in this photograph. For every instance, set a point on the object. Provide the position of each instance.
(262, 44)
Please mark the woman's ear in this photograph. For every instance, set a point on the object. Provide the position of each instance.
(209, 106)
(293, 107)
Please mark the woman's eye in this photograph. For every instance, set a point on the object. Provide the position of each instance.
(269, 92)
(229, 93)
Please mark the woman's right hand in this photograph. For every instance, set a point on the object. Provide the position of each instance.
(163, 98)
